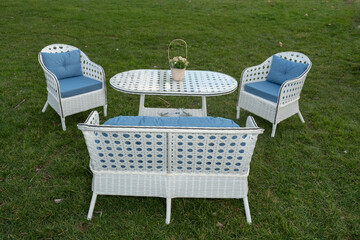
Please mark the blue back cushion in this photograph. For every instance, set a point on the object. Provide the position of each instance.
(63, 65)
(264, 89)
(172, 121)
(73, 86)
(282, 70)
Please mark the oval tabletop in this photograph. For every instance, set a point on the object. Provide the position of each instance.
(159, 82)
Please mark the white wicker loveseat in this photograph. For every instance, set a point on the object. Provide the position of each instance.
(170, 162)
(80, 98)
(285, 100)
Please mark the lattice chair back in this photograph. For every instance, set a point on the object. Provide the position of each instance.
(260, 72)
(87, 67)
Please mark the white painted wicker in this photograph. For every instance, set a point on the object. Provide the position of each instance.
(170, 162)
(79, 103)
(289, 93)
(159, 82)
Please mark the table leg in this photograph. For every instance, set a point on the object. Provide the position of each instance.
(141, 105)
(203, 109)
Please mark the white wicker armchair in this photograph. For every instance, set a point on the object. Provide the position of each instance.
(170, 162)
(288, 97)
(78, 103)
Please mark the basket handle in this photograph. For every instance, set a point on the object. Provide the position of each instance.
(180, 40)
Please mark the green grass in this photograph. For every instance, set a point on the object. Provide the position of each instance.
(304, 183)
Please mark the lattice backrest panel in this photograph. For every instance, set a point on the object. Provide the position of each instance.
(127, 151)
(260, 72)
(89, 69)
(211, 153)
(294, 57)
(169, 150)
(54, 48)
(58, 48)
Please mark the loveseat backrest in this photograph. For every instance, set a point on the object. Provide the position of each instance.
(169, 149)
(220, 152)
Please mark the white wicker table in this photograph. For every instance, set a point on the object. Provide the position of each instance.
(159, 82)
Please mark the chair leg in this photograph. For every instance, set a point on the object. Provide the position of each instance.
(238, 106)
(105, 110)
(237, 112)
(168, 210)
(247, 210)
(92, 205)
(63, 123)
(273, 130)
(301, 117)
(45, 106)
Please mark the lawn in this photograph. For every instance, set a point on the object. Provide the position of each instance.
(303, 184)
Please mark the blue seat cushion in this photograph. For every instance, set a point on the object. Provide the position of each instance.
(78, 85)
(172, 121)
(282, 70)
(264, 89)
(63, 65)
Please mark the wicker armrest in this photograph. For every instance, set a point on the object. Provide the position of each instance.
(290, 90)
(52, 84)
(255, 74)
(93, 118)
(51, 80)
(92, 70)
(250, 122)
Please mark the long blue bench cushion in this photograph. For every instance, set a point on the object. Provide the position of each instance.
(172, 121)
(63, 65)
(282, 70)
(78, 85)
(264, 89)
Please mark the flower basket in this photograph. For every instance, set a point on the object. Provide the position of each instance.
(178, 74)
(178, 64)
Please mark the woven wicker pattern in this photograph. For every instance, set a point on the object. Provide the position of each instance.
(289, 94)
(169, 162)
(210, 153)
(191, 153)
(83, 102)
(128, 151)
